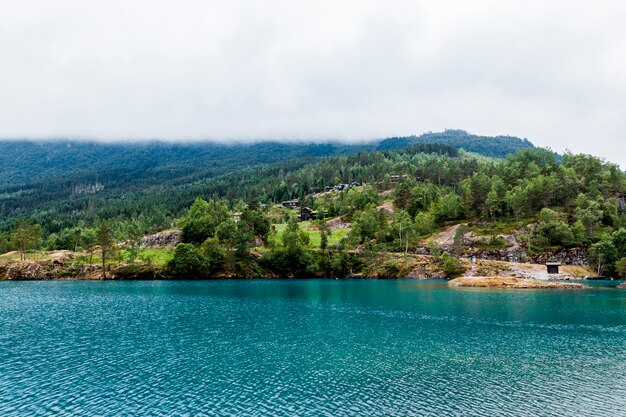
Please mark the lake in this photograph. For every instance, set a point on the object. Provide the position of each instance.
(309, 348)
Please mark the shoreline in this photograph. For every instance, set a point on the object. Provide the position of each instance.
(63, 266)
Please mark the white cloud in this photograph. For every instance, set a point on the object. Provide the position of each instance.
(550, 71)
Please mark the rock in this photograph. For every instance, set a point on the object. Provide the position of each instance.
(168, 238)
(565, 257)
(622, 286)
(507, 282)
(338, 223)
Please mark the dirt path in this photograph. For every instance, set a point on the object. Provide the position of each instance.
(445, 238)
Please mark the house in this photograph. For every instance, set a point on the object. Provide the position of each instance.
(237, 216)
(290, 204)
(307, 214)
(395, 178)
(329, 188)
(553, 267)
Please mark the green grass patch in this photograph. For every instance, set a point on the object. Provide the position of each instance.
(314, 234)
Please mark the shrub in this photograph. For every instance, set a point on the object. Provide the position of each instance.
(187, 262)
(452, 267)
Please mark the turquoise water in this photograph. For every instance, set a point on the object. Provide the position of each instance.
(309, 348)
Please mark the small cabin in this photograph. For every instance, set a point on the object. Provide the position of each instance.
(395, 178)
(553, 267)
(237, 216)
(290, 204)
(307, 214)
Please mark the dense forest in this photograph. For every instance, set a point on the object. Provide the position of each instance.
(136, 164)
(392, 200)
(496, 147)
(60, 183)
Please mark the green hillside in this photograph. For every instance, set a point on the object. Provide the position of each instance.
(59, 183)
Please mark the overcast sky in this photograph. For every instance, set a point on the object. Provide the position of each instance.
(552, 71)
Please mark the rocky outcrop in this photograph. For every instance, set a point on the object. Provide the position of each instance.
(508, 282)
(338, 223)
(168, 238)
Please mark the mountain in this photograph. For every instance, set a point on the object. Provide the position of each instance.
(26, 162)
(63, 180)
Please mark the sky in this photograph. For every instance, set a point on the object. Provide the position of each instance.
(552, 71)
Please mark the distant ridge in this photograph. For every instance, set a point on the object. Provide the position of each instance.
(496, 146)
(28, 161)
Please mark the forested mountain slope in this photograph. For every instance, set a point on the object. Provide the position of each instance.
(24, 162)
(497, 147)
(59, 183)
(534, 199)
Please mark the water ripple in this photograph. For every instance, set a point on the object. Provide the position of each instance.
(307, 348)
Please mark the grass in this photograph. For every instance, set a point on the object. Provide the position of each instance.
(158, 256)
(314, 234)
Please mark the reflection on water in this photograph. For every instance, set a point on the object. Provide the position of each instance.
(308, 347)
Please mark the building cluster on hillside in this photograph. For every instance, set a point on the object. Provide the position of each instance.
(306, 213)
(341, 187)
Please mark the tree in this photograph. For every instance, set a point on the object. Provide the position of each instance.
(554, 230)
(203, 219)
(90, 240)
(294, 239)
(590, 217)
(620, 267)
(257, 222)
(452, 267)
(492, 204)
(403, 225)
(5, 243)
(188, 263)
(26, 236)
(133, 241)
(603, 255)
(368, 224)
(324, 233)
(424, 223)
(517, 201)
(235, 236)
(104, 238)
(293, 256)
(619, 241)
(213, 251)
(450, 207)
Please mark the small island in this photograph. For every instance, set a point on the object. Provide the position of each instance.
(510, 282)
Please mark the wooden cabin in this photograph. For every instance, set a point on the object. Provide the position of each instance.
(553, 267)
(307, 214)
